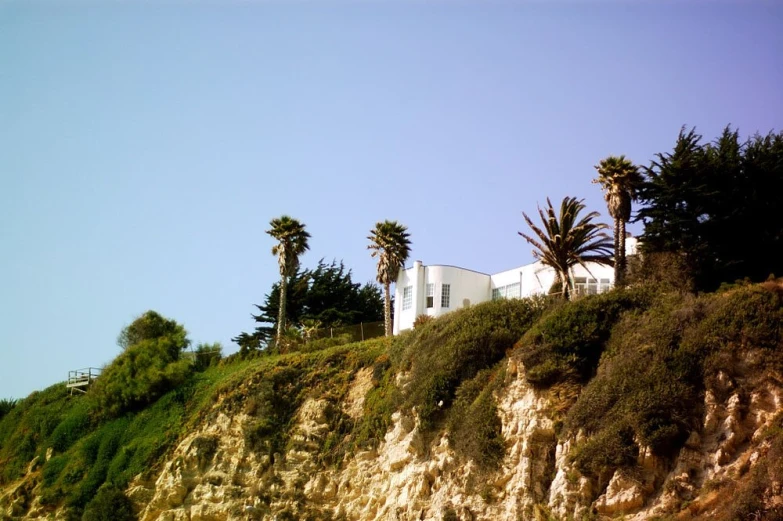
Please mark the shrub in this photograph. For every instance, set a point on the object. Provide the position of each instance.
(208, 355)
(444, 352)
(152, 325)
(421, 320)
(140, 375)
(474, 426)
(109, 504)
(568, 341)
(74, 426)
(652, 376)
(6, 404)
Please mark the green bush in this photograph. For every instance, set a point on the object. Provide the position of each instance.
(568, 341)
(139, 376)
(207, 355)
(73, 427)
(6, 404)
(109, 504)
(443, 353)
(473, 423)
(152, 325)
(651, 380)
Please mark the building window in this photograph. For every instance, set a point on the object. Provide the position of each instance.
(605, 285)
(430, 295)
(445, 293)
(580, 285)
(407, 297)
(510, 291)
(592, 286)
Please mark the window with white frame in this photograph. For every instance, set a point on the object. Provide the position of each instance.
(580, 285)
(445, 295)
(430, 296)
(407, 297)
(604, 285)
(509, 291)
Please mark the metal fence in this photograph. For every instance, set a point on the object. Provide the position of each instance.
(357, 332)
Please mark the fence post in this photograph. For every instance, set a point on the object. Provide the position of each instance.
(361, 325)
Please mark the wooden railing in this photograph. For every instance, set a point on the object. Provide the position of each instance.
(80, 379)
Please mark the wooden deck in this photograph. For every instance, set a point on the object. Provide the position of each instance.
(79, 380)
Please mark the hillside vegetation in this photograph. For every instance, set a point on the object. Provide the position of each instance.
(627, 369)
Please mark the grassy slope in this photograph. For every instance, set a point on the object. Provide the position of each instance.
(641, 360)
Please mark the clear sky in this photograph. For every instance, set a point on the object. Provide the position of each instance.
(145, 146)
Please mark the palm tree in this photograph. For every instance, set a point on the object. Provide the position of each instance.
(389, 242)
(565, 242)
(620, 179)
(292, 243)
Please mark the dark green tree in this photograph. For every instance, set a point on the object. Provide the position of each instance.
(325, 295)
(714, 206)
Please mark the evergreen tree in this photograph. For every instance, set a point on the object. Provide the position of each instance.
(715, 206)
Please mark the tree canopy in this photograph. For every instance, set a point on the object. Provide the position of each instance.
(326, 294)
(715, 206)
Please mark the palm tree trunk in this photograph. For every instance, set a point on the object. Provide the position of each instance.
(618, 270)
(565, 286)
(387, 310)
(281, 308)
(620, 262)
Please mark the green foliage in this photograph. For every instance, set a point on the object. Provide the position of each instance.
(445, 352)
(147, 369)
(380, 402)
(6, 404)
(207, 355)
(139, 376)
(473, 423)
(325, 295)
(569, 340)
(26, 427)
(73, 427)
(651, 379)
(109, 504)
(149, 326)
(715, 205)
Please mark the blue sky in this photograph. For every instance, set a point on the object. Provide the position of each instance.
(144, 147)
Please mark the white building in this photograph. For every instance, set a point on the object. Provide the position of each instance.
(435, 290)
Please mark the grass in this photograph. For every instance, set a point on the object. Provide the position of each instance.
(92, 451)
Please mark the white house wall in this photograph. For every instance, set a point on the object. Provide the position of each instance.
(471, 287)
(466, 287)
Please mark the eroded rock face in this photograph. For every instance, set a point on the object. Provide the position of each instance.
(213, 475)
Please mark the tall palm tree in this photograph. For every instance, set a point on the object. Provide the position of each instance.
(292, 243)
(565, 242)
(389, 242)
(620, 179)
